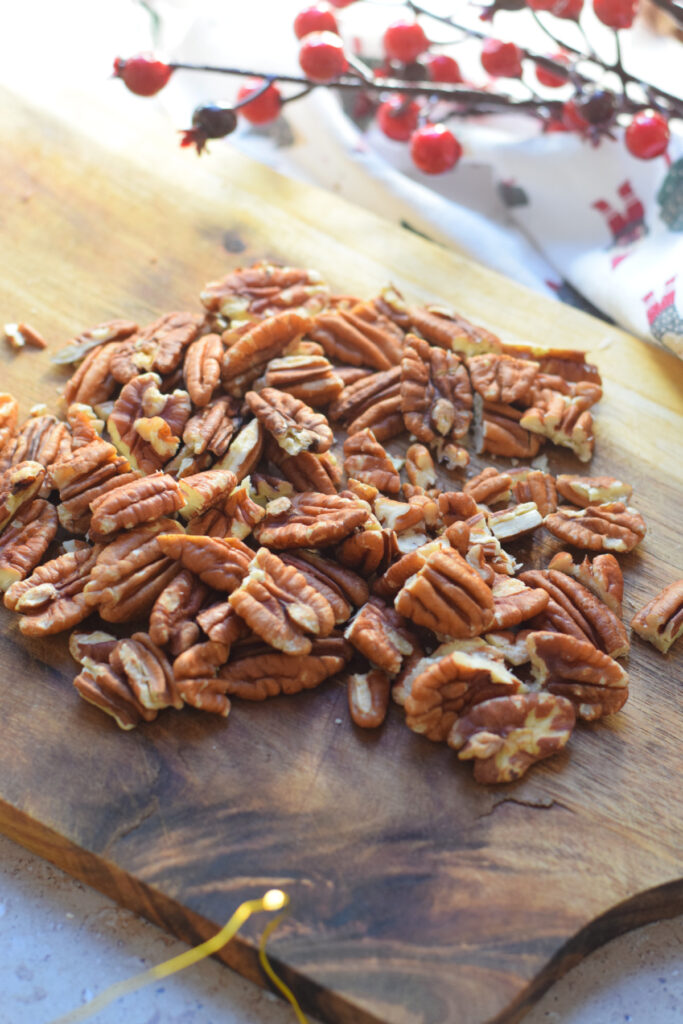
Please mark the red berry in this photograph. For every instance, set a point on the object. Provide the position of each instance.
(567, 9)
(501, 60)
(442, 68)
(648, 135)
(434, 149)
(552, 79)
(265, 107)
(572, 118)
(405, 41)
(318, 18)
(397, 117)
(615, 13)
(144, 74)
(342, 3)
(322, 56)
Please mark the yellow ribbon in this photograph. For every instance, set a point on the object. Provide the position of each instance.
(272, 900)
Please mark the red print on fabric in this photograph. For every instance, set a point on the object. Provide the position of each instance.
(628, 224)
(664, 319)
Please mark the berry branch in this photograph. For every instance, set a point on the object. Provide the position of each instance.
(415, 80)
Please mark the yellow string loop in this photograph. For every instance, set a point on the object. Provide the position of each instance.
(272, 900)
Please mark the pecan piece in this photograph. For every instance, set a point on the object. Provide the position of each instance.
(90, 471)
(306, 471)
(212, 429)
(24, 542)
(222, 624)
(349, 338)
(451, 331)
(310, 378)
(146, 670)
(93, 382)
(257, 674)
(172, 619)
(512, 523)
(510, 644)
(501, 378)
(143, 500)
(260, 290)
(369, 551)
(610, 527)
(93, 337)
(242, 511)
(98, 684)
(342, 588)
(279, 605)
(245, 451)
(514, 601)
(220, 563)
(381, 635)
(592, 490)
(366, 460)
(19, 484)
(602, 576)
(131, 572)
(390, 582)
(449, 687)
(489, 487)
(456, 507)
(594, 683)
(9, 417)
(146, 425)
(506, 735)
(53, 598)
(538, 487)
(85, 424)
(202, 368)
(311, 520)
(294, 425)
(244, 361)
(447, 596)
(201, 661)
(660, 621)
(564, 419)
(419, 467)
(368, 697)
(43, 439)
(436, 398)
(159, 346)
(202, 491)
(500, 433)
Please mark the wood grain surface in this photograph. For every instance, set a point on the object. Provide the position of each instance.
(417, 897)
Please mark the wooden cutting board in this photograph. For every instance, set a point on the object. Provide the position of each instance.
(416, 895)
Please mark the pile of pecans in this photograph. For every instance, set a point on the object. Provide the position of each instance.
(225, 490)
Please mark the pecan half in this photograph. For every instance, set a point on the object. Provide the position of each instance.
(602, 576)
(43, 439)
(436, 398)
(93, 337)
(158, 347)
(202, 368)
(538, 487)
(456, 506)
(202, 491)
(220, 563)
(172, 619)
(262, 289)
(99, 685)
(447, 596)
(450, 330)
(146, 670)
(279, 605)
(311, 521)
(19, 485)
(384, 419)
(349, 338)
(366, 460)
(506, 735)
(212, 429)
(361, 395)
(53, 598)
(93, 382)
(90, 471)
(513, 601)
(24, 542)
(146, 425)
(310, 378)
(143, 500)
(306, 471)
(501, 378)
(592, 490)
(489, 487)
(564, 419)
(342, 588)
(244, 361)
(660, 621)
(201, 661)
(368, 697)
(245, 451)
(449, 687)
(610, 527)
(503, 434)
(594, 683)
(381, 635)
(262, 673)
(294, 425)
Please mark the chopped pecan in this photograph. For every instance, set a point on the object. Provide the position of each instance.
(43, 439)
(419, 467)
(564, 419)
(85, 424)
(279, 605)
(366, 460)
(451, 331)
(491, 551)
(131, 572)
(202, 491)
(268, 488)
(501, 378)
(220, 563)
(349, 338)
(514, 601)
(512, 523)
(90, 471)
(594, 683)
(660, 621)
(245, 451)
(489, 487)
(222, 624)
(453, 456)
(146, 670)
(244, 361)
(506, 735)
(294, 425)
(447, 596)
(262, 673)
(53, 598)
(592, 490)
(158, 347)
(368, 697)
(402, 516)
(146, 425)
(368, 551)
(436, 398)
(451, 686)
(249, 293)
(369, 390)
(19, 484)
(602, 576)
(342, 588)
(381, 635)
(98, 684)
(538, 487)
(202, 368)
(24, 542)
(93, 382)
(172, 619)
(384, 419)
(310, 378)
(595, 620)
(143, 500)
(93, 337)
(610, 527)
(312, 520)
